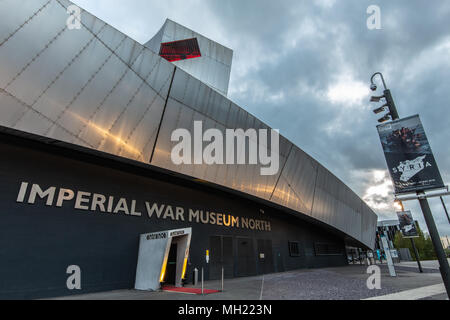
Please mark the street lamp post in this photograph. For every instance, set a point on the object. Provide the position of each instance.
(434, 234)
(390, 104)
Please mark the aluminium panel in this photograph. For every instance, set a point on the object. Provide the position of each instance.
(143, 135)
(73, 80)
(124, 47)
(88, 21)
(128, 116)
(296, 188)
(157, 72)
(11, 109)
(26, 44)
(33, 122)
(325, 200)
(78, 114)
(65, 135)
(111, 37)
(243, 178)
(13, 19)
(52, 64)
(111, 106)
(367, 222)
(154, 44)
(213, 67)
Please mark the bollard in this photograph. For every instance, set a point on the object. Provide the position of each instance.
(202, 281)
(222, 278)
(195, 277)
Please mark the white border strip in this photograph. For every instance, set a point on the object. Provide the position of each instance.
(414, 294)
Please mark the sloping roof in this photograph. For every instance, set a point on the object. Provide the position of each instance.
(97, 88)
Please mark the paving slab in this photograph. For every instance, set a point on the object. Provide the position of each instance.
(342, 283)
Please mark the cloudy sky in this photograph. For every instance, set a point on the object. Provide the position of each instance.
(304, 67)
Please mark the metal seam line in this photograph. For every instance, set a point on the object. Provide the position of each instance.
(219, 122)
(54, 81)
(209, 107)
(131, 101)
(142, 118)
(102, 103)
(26, 22)
(43, 116)
(295, 193)
(36, 56)
(88, 81)
(238, 108)
(223, 124)
(149, 106)
(114, 50)
(281, 172)
(162, 116)
(147, 143)
(314, 191)
(75, 97)
(185, 86)
(127, 69)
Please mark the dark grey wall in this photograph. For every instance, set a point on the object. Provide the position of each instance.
(38, 243)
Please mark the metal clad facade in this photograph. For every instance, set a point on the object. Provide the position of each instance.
(97, 88)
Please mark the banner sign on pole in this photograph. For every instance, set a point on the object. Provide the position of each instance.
(409, 157)
(407, 225)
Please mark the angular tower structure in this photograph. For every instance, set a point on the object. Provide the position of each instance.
(212, 67)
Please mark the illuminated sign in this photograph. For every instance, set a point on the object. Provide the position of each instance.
(95, 202)
(180, 50)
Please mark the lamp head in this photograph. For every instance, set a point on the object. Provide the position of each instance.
(387, 117)
(379, 110)
(376, 99)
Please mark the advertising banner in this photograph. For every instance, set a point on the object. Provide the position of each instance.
(409, 157)
(407, 225)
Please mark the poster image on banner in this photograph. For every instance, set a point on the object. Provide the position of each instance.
(407, 224)
(408, 155)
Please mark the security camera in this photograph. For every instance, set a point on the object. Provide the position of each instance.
(373, 87)
(385, 118)
(379, 110)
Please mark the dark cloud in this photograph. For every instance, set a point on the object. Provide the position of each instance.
(290, 54)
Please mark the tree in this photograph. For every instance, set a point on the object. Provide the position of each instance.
(423, 244)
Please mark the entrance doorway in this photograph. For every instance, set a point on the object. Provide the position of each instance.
(171, 270)
(163, 258)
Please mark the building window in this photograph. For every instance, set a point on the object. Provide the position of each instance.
(180, 50)
(327, 249)
(294, 249)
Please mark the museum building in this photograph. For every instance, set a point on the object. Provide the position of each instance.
(88, 179)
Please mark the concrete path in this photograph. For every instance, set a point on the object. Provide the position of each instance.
(414, 294)
(344, 283)
(432, 264)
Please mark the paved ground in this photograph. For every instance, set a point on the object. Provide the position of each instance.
(429, 265)
(344, 283)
